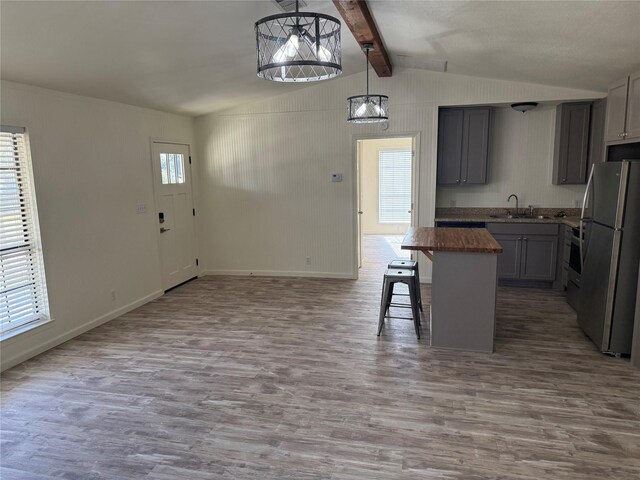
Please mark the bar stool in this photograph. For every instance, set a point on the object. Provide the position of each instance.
(411, 265)
(391, 277)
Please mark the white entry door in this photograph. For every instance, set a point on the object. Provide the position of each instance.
(175, 213)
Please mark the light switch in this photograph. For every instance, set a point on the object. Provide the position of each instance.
(336, 177)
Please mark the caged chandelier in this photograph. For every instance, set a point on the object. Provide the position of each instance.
(298, 47)
(369, 108)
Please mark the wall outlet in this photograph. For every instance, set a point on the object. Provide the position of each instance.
(141, 208)
(113, 295)
(336, 177)
(308, 260)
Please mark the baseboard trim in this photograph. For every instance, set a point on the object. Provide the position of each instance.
(79, 330)
(277, 273)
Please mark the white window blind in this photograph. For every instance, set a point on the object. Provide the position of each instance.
(23, 296)
(394, 192)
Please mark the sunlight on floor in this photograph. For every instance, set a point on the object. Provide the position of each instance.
(394, 242)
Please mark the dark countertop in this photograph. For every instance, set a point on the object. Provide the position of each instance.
(471, 240)
(570, 221)
(484, 214)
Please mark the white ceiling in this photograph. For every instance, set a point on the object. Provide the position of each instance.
(199, 57)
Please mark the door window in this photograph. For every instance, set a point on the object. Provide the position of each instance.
(172, 168)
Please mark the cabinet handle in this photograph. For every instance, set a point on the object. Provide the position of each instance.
(624, 134)
(620, 135)
(464, 181)
(564, 180)
(458, 181)
(526, 239)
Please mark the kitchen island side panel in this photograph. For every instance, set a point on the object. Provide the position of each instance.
(464, 300)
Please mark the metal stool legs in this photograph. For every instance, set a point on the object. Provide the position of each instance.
(391, 277)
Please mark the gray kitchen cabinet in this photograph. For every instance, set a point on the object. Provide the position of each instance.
(463, 145)
(530, 251)
(571, 148)
(509, 259)
(450, 125)
(539, 257)
(596, 137)
(622, 122)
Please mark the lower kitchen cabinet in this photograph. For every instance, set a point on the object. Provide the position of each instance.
(509, 259)
(530, 251)
(539, 257)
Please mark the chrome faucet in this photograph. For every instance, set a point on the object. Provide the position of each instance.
(509, 199)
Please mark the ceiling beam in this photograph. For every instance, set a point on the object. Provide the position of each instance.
(357, 16)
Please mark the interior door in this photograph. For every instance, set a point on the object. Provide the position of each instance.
(359, 199)
(175, 213)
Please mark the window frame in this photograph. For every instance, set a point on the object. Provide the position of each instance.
(34, 245)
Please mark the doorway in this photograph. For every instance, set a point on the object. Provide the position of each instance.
(175, 213)
(385, 197)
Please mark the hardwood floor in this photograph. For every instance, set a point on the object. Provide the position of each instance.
(275, 378)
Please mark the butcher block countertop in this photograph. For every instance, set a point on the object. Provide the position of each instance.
(470, 240)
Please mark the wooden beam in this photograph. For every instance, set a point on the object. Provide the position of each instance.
(357, 16)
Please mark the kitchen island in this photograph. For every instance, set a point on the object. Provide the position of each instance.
(464, 281)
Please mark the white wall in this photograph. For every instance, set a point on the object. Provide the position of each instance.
(92, 165)
(370, 175)
(520, 162)
(267, 200)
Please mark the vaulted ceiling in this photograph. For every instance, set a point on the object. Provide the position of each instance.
(199, 57)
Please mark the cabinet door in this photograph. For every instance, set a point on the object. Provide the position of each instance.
(539, 257)
(616, 110)
(509, 259)
(596, 138)
(572, 153)
(450, 123)
(633, 108)
(475, 145)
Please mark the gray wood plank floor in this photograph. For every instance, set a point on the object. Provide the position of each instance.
(278, 378)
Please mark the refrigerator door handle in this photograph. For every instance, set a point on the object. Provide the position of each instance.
(582, 218)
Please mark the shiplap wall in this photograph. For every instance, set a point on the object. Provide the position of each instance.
(267, 201)
(520, 161)
(92, 165)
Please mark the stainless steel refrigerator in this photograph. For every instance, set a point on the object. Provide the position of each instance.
(610, 254)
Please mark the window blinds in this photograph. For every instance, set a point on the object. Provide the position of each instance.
(22, 287)
(394, 192)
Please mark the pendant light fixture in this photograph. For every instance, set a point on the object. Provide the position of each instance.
(369, 108)
(298, 47)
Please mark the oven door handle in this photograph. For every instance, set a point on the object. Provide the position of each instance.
(582, 218)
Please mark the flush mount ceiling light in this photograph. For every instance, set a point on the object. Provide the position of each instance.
(298, 47)
(369, 108)
(524, 106)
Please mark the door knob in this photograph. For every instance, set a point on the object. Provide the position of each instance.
(162, 229)
(360, 212)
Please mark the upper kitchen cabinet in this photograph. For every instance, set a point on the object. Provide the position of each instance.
(622, 122)
(463, 145)
(571, 151)
(596, 137)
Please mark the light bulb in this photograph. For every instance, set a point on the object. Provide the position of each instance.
(324, 54)
(288, 50)
(362, 109)
(291, 47)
